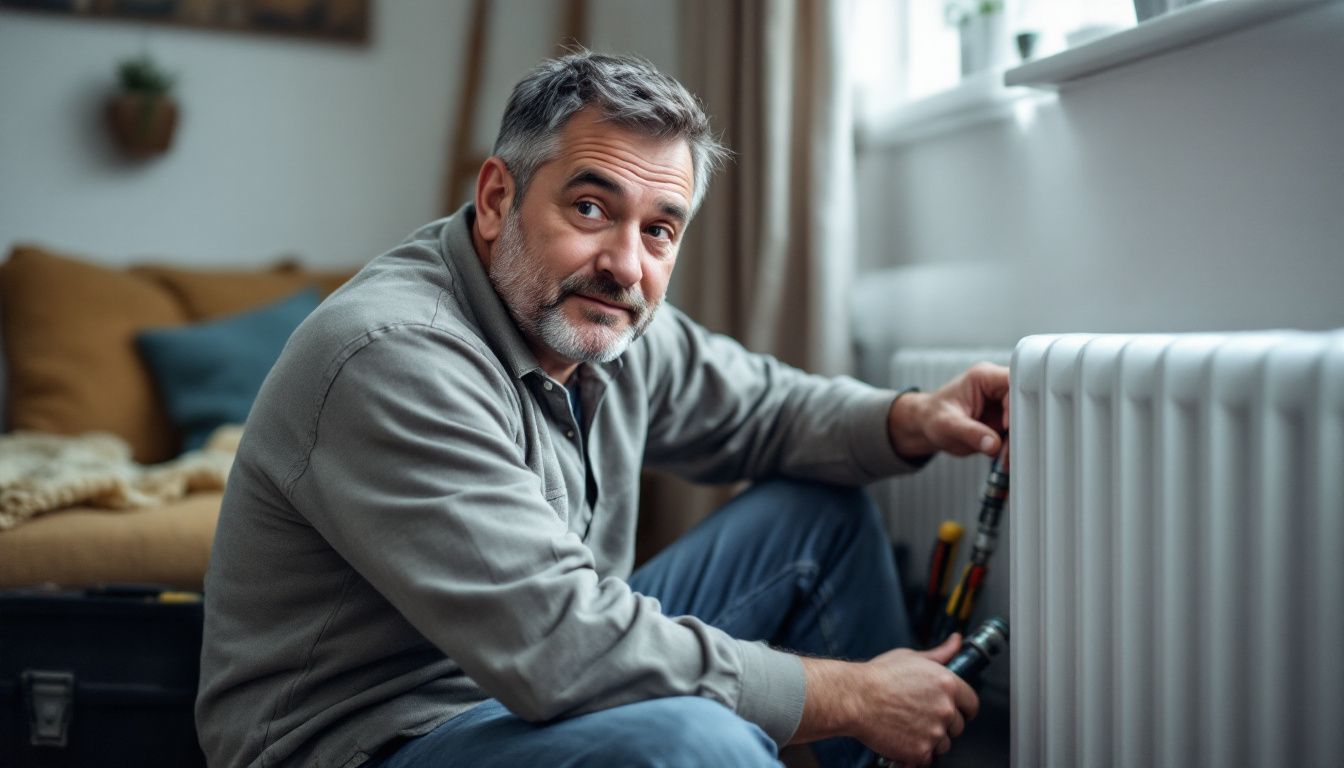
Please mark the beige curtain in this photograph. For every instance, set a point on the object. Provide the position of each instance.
(769, 257)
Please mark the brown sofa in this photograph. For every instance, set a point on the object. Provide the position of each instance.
(71, 366)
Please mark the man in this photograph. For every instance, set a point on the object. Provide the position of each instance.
(424, 554)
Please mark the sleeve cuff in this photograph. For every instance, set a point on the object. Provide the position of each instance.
(772, 690)
(870, 440)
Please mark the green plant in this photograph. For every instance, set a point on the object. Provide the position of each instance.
(142, 113)
(959, 13)
(141, 74)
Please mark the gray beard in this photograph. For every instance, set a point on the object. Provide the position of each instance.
(535, 305)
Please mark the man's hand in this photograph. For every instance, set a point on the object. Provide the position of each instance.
(964, 416)
(904, 705)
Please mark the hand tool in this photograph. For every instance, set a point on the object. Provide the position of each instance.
(979, 648)
(982, 646)
(959, 605)
(940, 565)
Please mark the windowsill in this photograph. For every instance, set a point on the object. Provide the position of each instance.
(978, 98)
(991, 95)
(1178, 29)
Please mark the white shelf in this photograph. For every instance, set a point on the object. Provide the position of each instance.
(978, 98)
(1177, 29)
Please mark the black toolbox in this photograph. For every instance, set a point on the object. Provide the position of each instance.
(103, 677)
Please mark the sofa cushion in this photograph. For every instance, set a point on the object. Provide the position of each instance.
(83, 546)
(70, 344)
(209, 373)
(69, 329)
(210, 293)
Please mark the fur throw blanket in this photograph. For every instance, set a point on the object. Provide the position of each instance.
(41, 472)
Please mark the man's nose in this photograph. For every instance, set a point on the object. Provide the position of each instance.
(620, 255)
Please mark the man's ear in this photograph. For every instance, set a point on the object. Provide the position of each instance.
(494, 197)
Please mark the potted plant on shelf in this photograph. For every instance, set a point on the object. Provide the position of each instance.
(983, 29)
(142, 114)
(1147, 9)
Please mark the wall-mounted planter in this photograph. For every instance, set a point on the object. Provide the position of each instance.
(142, 123)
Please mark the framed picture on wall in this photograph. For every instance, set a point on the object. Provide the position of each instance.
(345, 21)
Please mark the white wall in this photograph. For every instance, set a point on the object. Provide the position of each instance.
(286, 146)
(326, 151)
(1199, 190)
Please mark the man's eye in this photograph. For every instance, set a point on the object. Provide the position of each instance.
(660, 232)
(588, 209)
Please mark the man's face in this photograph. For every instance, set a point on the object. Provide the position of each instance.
(583, 261)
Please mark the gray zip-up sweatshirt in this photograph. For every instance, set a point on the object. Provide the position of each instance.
(415, 522)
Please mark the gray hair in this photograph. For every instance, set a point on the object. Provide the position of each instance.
(628, 91)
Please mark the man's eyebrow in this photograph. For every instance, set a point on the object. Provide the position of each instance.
(590, 177)
(674, 211)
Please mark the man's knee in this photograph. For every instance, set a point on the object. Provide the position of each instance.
(845, 506)
(693, 731)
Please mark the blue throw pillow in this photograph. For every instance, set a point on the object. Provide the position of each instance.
(208, 374)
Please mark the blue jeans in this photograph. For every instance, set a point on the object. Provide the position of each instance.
(804, 566)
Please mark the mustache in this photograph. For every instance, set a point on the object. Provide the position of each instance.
(604, 288)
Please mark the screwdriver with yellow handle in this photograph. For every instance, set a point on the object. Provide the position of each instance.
(940, 565)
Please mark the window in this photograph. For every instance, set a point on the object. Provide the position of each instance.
(906, 50)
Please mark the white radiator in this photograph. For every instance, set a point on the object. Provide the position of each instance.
(1178, 550)
(948, 488)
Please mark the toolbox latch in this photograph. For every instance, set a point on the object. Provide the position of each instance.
(47, 696)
